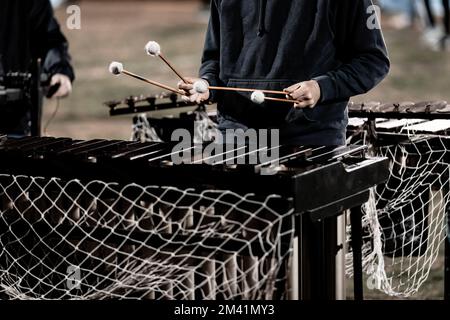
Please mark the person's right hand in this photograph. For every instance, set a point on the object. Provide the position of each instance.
(191, 94)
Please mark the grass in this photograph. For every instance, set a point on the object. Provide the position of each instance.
(119, 31)
(432, 288)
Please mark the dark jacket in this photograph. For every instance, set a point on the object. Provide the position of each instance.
(28, 30)
(272, 44)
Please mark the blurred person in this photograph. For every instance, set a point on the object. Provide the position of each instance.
(435, 36)
(320, 52)
(402, 13)
(28, 32)
(204, 11)
(205, 3)
(57, 3)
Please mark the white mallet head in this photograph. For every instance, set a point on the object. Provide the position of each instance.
(258, 97)
(116, 68)
(153, 49)
(201, 86)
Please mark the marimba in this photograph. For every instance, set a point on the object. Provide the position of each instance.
(420, 130)
(317, 184)
(399, 119)
(163, 114)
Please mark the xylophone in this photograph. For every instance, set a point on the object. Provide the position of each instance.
(173, 114)
(149, 103)
(396, 120)
(402, 110)
(415, 137)
(317, 183)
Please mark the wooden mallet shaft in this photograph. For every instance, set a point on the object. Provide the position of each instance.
(281, 100)
(247, 90)
(154, 83)
(154, 49)
(167, 62)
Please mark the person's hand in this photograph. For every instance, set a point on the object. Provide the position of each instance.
(191, 94)
(65, 85)
(307, 94)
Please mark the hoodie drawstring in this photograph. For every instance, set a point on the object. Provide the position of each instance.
(262, 18)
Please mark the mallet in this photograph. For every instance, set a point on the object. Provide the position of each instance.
(153, 49)
(202, 87)
(116, 68)
(259, 97)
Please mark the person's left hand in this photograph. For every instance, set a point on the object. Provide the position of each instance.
(307, 94)
(191, 94)
(65, 85)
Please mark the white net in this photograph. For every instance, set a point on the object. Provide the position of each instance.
(142, 131)
(405, 222)
(96, 240)
(204, 128)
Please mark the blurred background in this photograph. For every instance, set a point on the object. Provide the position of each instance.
(119, 30)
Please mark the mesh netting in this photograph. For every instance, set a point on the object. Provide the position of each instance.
(95, 240)
(405, 221)
(204, 128)
(142, 131)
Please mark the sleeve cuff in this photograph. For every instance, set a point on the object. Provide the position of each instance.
(327, 88)
(212, 80)
(65, 69)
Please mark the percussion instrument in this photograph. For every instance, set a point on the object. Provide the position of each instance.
(317, 183)
(415, 137)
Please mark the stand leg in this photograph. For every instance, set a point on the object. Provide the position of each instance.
(36, 101)
(447, 260)
(356, 224)
(341, 281)
(317, 258)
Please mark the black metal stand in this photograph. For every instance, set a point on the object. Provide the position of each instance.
(447, 260)
(317, 258)
(36, 100)
(317, 243)
(356, 243)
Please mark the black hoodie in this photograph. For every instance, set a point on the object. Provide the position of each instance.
(28, 30)
(272, 44)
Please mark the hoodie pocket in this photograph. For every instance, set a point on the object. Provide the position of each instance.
(262, 84)
(306, 115)
(268, 114)
(280, 112)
